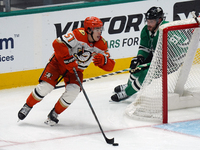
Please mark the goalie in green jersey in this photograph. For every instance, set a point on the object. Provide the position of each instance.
(148, 41)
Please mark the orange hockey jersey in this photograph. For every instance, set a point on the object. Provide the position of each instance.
(76, 44)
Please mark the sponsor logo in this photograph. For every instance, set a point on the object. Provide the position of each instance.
(6, 58)
(116, 25)
(182, 10)
(6, 43)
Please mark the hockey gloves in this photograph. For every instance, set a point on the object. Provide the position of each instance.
(136, 61)
(70, 64)
(99, 59)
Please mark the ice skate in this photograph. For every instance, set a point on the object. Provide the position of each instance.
(119, 96)
(52, 118)
(120, 88)
(24, 111)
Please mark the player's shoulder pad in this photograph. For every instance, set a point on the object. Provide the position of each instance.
(101, 44)
(80, 34)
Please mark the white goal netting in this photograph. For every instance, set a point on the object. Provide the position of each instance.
(183, 73)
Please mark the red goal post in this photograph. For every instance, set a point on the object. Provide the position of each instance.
(164, 63)
(169, 73)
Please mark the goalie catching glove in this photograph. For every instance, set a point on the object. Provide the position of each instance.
(70, 64)
(99, 59)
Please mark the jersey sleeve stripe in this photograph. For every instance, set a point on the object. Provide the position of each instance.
(65, 42)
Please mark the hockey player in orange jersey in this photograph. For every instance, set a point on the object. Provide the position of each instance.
(72, 50)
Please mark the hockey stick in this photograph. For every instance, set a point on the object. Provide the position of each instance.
(62, 77)
(139, 67)
(110, 74)
(98, 77)
(109, 141)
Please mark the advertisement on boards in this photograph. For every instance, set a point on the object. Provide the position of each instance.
(26, 40)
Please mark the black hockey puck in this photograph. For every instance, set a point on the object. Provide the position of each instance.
(115, 144)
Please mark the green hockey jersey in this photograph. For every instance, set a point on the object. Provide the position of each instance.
(147, 42)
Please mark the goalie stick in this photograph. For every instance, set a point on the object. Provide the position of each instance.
(109, 74)
(109, 141)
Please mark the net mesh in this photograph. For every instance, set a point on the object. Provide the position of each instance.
(183, 70)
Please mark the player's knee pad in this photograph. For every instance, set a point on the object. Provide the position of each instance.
(70, 94)
(42, 90)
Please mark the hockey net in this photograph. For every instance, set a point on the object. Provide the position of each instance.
(173, 79)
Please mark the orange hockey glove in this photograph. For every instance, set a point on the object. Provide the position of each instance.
(70, 64)
(99, 60)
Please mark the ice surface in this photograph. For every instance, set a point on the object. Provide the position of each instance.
(78, 129)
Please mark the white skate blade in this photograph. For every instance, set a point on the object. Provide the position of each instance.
(50, 122)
